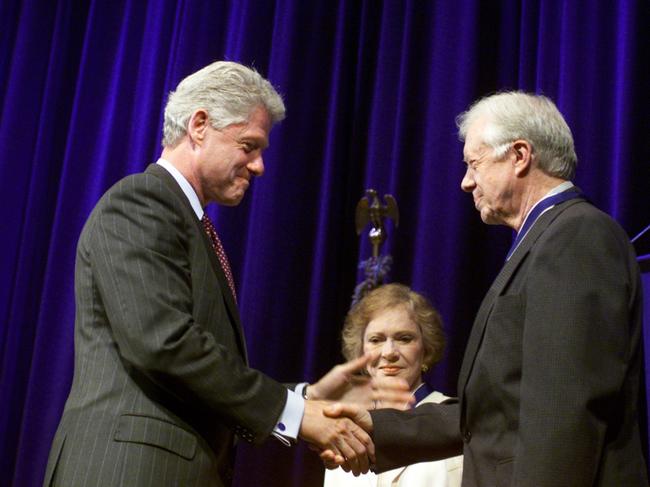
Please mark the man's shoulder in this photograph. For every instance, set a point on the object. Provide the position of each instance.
(152, 177)
(138, 197)
(584, 214)
(582, 225)
(145, 192)
(147, 185)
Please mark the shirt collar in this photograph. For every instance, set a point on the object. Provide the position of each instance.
(556, 190)
(187, 188)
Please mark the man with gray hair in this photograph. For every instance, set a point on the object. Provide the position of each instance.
(549, 385)
(161, 382)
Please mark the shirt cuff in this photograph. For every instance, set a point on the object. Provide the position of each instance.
(288, 426)
(300, 388)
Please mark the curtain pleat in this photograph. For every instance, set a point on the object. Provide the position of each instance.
(372, 89)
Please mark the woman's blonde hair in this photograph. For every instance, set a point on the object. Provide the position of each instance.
(390, 296)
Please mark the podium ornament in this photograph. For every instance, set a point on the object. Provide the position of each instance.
(376, 268)
(369, 209)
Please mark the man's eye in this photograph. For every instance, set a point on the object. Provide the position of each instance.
(374, 340)
(247, 147)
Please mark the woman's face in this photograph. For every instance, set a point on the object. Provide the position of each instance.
(402, 348)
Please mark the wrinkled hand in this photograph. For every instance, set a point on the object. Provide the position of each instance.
(344, 443)
(357, 414)
(387, 392)
(347, 443)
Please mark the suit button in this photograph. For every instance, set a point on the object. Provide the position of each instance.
(467, 436)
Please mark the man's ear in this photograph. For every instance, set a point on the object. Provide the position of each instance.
(197, 126)
(523, 152)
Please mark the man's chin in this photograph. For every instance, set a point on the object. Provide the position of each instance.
(231, 200)
(488, 217)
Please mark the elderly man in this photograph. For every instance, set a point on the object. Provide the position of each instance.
(549, 384)
(161, 382)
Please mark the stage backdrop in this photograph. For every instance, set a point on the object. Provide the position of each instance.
(372, 89)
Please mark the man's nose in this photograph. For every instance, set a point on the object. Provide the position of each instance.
(467, 184)
(256, 166)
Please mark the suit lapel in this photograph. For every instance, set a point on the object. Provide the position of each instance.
(502, 279)
(228, 298)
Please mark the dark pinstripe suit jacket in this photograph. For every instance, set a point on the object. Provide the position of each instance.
(548, 388)
(161, 382)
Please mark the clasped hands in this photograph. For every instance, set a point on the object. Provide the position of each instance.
(336, 422)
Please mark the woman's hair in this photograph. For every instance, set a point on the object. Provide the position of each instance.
(387, 297)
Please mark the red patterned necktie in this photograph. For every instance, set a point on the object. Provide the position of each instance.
(221, 254)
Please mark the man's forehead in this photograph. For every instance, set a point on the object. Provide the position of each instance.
(471, 147)
(474, 137)
(249, 129)
(257, 128)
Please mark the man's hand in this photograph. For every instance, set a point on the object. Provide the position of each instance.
(349, 445)
(357, 414)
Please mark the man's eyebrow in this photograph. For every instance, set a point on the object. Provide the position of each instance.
(261, 142)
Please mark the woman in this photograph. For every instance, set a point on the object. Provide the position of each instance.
(407, 331)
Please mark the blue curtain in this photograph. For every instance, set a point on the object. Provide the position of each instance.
(372, 89)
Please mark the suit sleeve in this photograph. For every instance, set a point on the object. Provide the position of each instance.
(140, 255)
(576, 350)
(427, 433)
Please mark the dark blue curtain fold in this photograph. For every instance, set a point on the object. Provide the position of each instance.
(372, 89)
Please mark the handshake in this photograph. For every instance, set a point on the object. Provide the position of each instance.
(336, 422)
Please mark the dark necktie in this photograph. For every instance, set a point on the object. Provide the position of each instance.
(221, 254)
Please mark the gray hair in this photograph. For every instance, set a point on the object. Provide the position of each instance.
(534, 118)
(228, 91)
